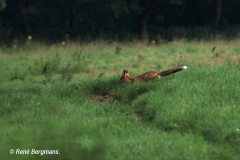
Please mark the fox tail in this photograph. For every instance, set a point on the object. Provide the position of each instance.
(171, 71)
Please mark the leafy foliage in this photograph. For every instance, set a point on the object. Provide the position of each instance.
(91, 19)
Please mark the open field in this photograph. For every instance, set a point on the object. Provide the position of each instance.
(66, 98)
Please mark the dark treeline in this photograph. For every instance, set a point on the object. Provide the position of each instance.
(121, 19)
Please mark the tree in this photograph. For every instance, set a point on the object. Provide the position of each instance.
(146, 6)
(108, 19)
(218, 12)
(2, 4)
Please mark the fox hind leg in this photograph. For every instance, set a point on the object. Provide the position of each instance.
(156, 77)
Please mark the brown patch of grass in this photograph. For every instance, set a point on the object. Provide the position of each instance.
(102, 98)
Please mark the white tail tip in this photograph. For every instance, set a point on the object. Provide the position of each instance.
(184, 67)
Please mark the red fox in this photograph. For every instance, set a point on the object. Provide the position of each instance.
(147, 76)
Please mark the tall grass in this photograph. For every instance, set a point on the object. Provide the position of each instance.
(50, 104)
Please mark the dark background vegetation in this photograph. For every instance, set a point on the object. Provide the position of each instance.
(118, 19)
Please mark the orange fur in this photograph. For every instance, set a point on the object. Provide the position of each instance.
(147, 76)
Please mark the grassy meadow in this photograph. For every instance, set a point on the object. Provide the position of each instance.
(66, 98)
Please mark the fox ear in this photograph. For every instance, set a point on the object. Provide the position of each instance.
(125, 72)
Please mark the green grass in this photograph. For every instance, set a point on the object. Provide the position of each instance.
(193, 114)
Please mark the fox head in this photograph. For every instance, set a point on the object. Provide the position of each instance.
(125, 77)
